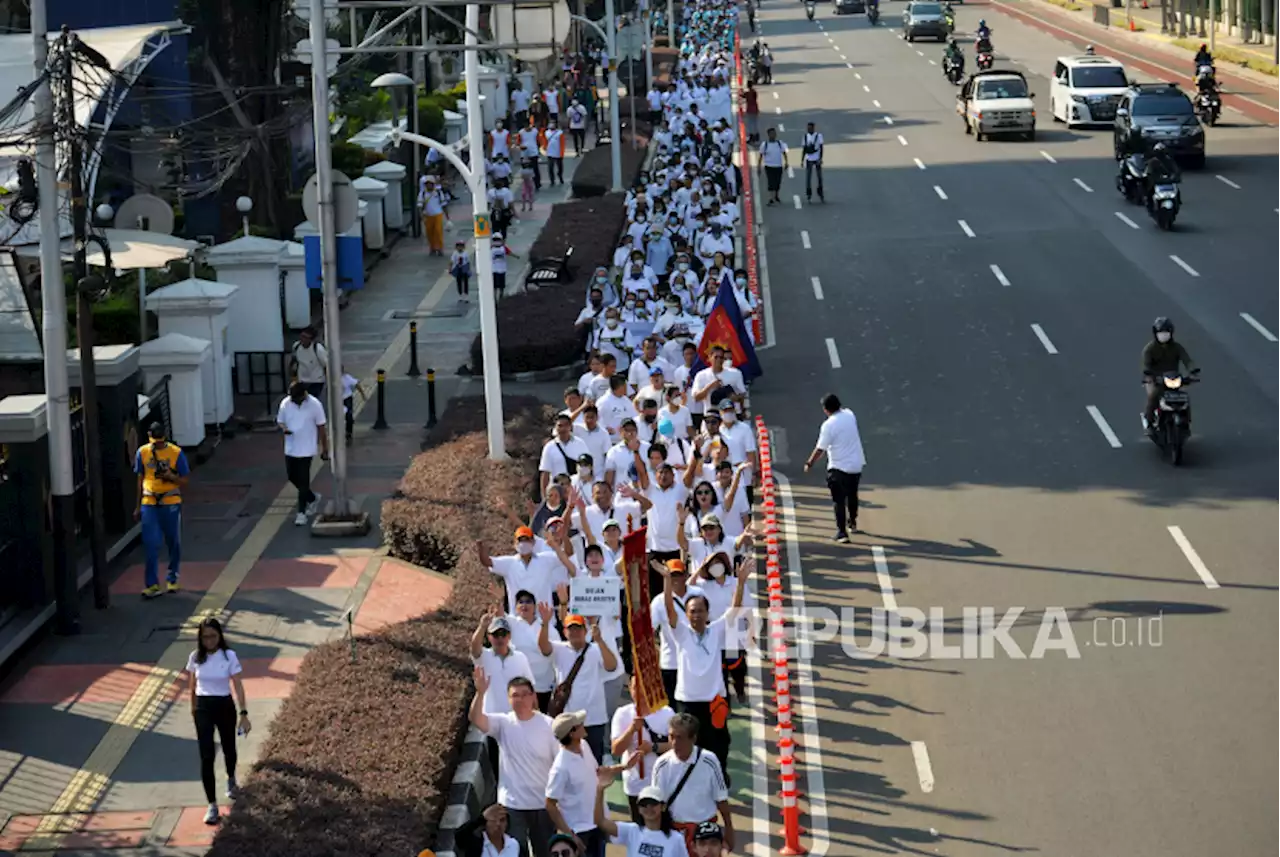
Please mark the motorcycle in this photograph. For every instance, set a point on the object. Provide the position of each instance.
(754, 70)
(949, 18)
(1208, 106)
(1164, 204)
(985, 60)
(953, 71)
(873, 14)
(1129, 180)
(808, 10)
(1172, 424)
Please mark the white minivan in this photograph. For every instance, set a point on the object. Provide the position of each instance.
(1086, 90)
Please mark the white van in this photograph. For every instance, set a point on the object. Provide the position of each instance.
(1086, 90)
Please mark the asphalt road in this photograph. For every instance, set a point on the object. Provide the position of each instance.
(979, 366)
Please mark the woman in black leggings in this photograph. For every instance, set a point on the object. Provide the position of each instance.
(214, 670)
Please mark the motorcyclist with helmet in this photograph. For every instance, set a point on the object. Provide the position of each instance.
(952, 56)
(1088, 50)
(982, 44)
(1162, 354)
(1203, 57)
(1161, 168)
(1132, 143)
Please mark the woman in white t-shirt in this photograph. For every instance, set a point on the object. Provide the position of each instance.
(213, 672)
(656, 836)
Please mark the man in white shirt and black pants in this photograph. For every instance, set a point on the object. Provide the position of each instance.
(839, 439)
(813, 145)
(772, 160)
(301, 419)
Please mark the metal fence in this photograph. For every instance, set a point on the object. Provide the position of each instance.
(158, 406)
(263, 377)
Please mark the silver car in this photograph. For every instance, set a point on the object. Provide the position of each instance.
(924, 20)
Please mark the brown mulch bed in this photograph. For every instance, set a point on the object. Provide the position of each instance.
(359, 759)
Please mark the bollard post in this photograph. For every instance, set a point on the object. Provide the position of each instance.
(414, 371)
(381, 422)
(431, 398)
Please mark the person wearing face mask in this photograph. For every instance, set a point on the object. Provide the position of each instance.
(500, 253)
(592, 314)
(643, 368)
(578, 126)
(1162, 354)
(609, 289)
(639, 227)
(675, 412)
(651, 391)
(614, 339)
(633, 311)
(659, 251)
(560, 453)
(746, 298)
(597, 440)
(524, 626)
(539, 573)
(623, 253)
(717, 241)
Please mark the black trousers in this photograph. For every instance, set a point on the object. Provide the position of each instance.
(710, 738)
(579, 136)
(350, 416)
(735, 672)
(669, 685)
(215, 713)
(844, 494)
(555, 170)
(809, 168)
(532, 163)
(298, 470)
(655, 579)
(494, 750)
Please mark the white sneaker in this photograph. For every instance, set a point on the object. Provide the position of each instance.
(300, 519)
(211, 814)
(314, 506)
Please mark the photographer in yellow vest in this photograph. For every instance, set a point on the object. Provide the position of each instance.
(162, 474)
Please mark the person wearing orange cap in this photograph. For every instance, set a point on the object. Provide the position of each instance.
(582, 664)
(700, 648)
(529, 569)
(678, 579)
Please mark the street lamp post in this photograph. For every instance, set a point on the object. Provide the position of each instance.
(616, 165)
(244, 205)
(474, 175)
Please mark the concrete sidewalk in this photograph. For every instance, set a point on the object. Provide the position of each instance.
(97, 749)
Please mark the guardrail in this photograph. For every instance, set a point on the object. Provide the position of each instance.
(778, 651)
(748, 210)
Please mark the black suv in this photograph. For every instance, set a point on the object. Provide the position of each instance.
(1162, 113)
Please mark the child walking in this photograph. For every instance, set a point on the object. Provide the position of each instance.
(350, 386)
(460, 267)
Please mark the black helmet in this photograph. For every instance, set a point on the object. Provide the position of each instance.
(1162, 325)
(1159, 148)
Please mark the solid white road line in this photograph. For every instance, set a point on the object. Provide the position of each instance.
(876, 103)
(1104, 427)
(1184, 266)
(1083, 186)
(902, 139)
(1194, 558)
(1044, 340)
(965, 227)
(817, 293)
(942, 194)
(1124, 218)
(919, 163)
(888, 120)
(795, 198)
(1048, 157)
(832, 353)
(995, 269)
(924, 771)
(804, 239)
(811, 751)
(883, 580)
(1253, 322)
(1228, 182)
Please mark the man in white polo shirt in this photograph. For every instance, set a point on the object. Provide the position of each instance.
(692, 780)
(840, 440)
(772, 160)
(560, 454)
(528, 750)
(301, 419)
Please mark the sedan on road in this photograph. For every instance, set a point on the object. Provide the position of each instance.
(842, 6)
(924, 20)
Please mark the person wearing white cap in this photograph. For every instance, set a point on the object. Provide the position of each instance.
(653, 835)
(569, 785)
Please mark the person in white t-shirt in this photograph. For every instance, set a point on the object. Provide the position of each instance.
(309, 362)
(501, 663)
(813, 151)
(560, 454)
(716, 376)
(528, 748)
(679, 578)
(772, 160)
(839, 439)
(537, 572)
(525, 627)
(700, 649)
(638, 731)
(519, 106)
(489, 829)
(213, 672)
(350, 386)
(300, 418)
(650, 833)
(500, 252)
(570, 786)
(597, 658)
(674, 411)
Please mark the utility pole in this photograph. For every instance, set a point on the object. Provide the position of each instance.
(84, 320)
(53, 322)
(615, 133)
(328, 256)
(671, 24)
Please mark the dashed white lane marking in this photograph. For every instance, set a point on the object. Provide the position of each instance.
(883, 579)
(832, 353)
(1044, 340)
(817, 293)
(795, 197)
(995, 269)
(1253, 322)
(843, 57)
(775, 96)
(778, 110)
(1048, 157)
(866, 88)
(888, 120)
(1103, 426)
(782, 128)
(1124, 218)
(804, 239)
(1184, 266)
(931, 62)
(902, 139)
(920, 53)
(850, 65)
(856, 76)
(919, 163)
(1228, 182)
(965, 227)
(1083, 186)
(791, 172)
(1192, 557)
(942, 194)
(876, 103)
(924, 770)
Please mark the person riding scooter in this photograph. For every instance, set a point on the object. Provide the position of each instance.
(1132, 145)
(1203, 57)
(1161, 168)
(808, 8)
(952, 57)
(1162, 354)
(984, 32)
